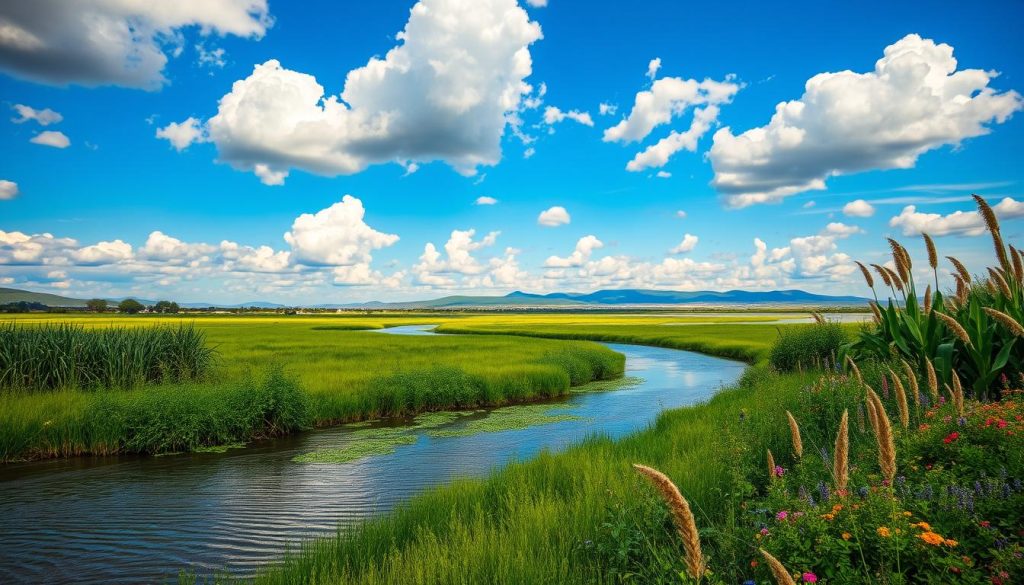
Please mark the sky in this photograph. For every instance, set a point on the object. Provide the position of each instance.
(331, 152)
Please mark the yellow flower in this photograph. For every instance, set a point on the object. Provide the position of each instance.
(884, 532)
(830, 516)
(846, 536)
(907, 514)
(950, 542)
(931, 538)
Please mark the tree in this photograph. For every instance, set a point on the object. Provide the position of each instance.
(96, 305)
(166, 307)
(130, 306)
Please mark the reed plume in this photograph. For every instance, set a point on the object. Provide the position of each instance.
(867, 275)
(933, 257)
(928, 299)
(818, 318)
(933, 382)
(958, 395)
(884, 438)
(901, 400)
(771, 466)
(895, 279)
(901, 259)
(884, 274)
(855, 370)
(960, 269)
(794, 431)
(872, 413)
(877, 313)
(1000, 282)
(989, 215)
(682, 517)
(912, 380)
(840, 459)
(779, 572)
(1006, 320)
(1018, 264)
(955, 327)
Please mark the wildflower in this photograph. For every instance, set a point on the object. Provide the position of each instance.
(837, 507)
(764, 532)
(950, 542)
(951, 437)
(779, 471)
(907, 514)
(884, 532)
(846, 536)
(829, 516)
(931, 538)
(923, 526)
(781, 515)
(984, 523)
(810, 578)
(753, 563)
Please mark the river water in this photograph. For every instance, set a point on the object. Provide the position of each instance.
(143, 519)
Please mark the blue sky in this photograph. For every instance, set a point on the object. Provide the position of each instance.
(457, 112)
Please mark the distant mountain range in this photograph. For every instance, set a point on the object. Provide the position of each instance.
(602, 298)
(598, 299)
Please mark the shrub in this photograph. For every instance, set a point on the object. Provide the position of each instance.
(807, 346)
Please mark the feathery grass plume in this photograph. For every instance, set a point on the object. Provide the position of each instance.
(960, 269)
(955, 327)
(840, 459)
(992, 224)
(901, 400)
(794, 431)
(933, 257)
(771, 466)
(1018, 264)
(1006, 320)
(883, 272)
(933, 382)
(683, 518)
(818, 318)
(872, 412)
(884, 439)
(958, 395)
(912, 380)
(928, 299)
(860, 419)
(1000, 282)
(895, 279)
(782, 576)
(867, 275)
(855, 370)
(901, 259)
(877, 313)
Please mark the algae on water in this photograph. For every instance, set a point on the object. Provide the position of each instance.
(608, 385)
(507, 418)
(357, 449)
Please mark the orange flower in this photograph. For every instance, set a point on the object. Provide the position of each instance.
(830, 516)
(837, 507)
(846, 536)
(950, 542)
(907, 514)
(931, 538)
(884, 532)
(923, 526)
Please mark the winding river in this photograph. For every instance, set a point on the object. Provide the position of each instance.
(143, 519)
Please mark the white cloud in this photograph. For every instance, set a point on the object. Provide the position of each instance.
(606, 109)
(668, 97)
(336, 236)
(914, 101)
(17, 248)
(967, 223)
(858, 208)
(658, 154)
(8, 189)
(553, 115)
(529, 152)
(181, 135)
(253, 259)
(444, 93)
(585, 246)
(681, 214)
(652, 68)
(485, 200)
(688, 243)
(43, 117)
(210, 57)
(51, 138)
(459, 260)
(537, 3)
(102, 253)
(116, 42)
(554, 216)
(663, 175)
(809, 205)
(164, 248)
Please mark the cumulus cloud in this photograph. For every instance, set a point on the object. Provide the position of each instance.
(652, 68)
(102, 253)
(663, 175)
(336, 236)
(914, 101)
(606, 109)
(43, 117)
(658, 154)
(51, 138)
(458, 259)
(485, 200)
(858, 208)
(8, 189)
(688, 243)
(105, 42)
(553, 115)
(966, 223)
(585, 246)
(181, 135)
(668, 97)
(554, 216)
(164, 248)
(444, 93)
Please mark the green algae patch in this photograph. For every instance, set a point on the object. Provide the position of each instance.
(219, 448)
(608, 385)
(358, 449)
(509, 418)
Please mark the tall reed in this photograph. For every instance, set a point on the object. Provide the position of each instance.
(682, 517)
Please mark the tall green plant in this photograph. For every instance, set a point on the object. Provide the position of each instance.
(971, 331)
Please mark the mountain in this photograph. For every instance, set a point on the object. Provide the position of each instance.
(13, 295)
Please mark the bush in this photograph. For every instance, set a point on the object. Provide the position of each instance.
(806, 347)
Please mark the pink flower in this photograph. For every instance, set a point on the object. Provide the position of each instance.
(764, 532)
(779, 471)
(810, 578)
(782, 515)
